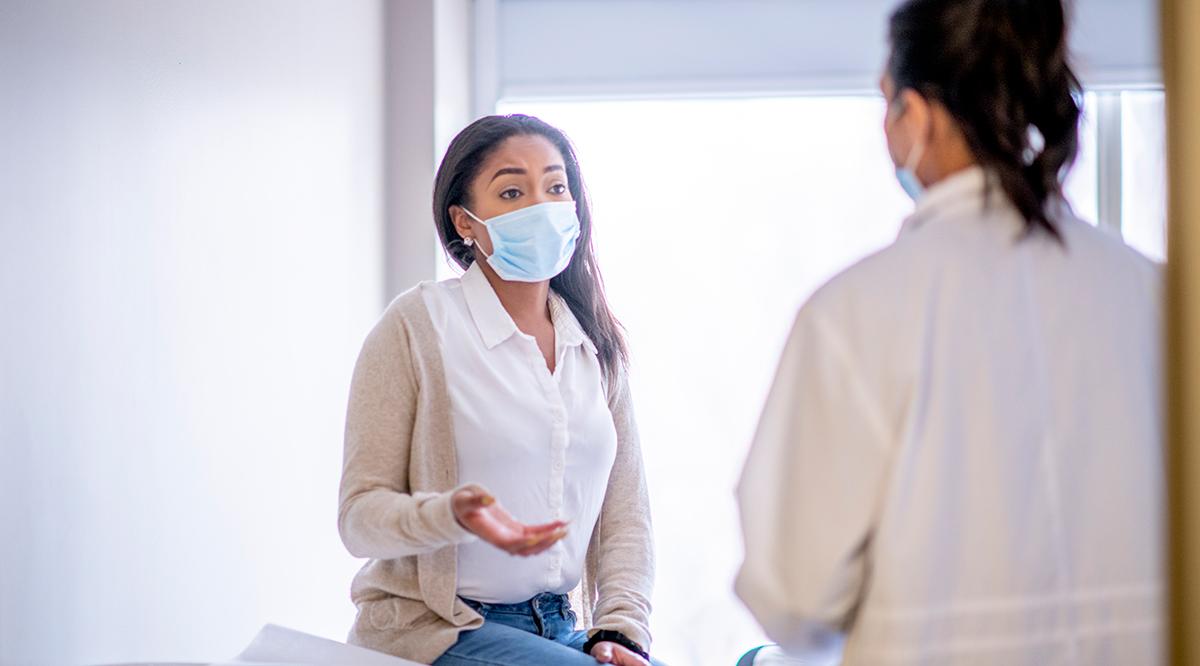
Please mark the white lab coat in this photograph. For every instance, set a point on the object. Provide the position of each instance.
(960, 461)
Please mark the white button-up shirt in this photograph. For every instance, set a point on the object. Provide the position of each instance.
(543, 444)
(960, 461)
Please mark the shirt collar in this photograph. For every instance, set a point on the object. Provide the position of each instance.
(496, 325)
(964, 188)
(566, 326)
(493, 321)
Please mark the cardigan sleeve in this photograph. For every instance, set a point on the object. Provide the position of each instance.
(624, 543)
(377, 515)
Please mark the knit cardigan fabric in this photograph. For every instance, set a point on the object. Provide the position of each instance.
(399, 472)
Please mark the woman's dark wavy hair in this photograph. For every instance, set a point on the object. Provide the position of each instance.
(1001, 68)
(580, 285)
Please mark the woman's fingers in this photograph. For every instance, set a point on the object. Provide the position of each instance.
(603, 652)
(531, 540)
(536, 545)
(547, 528)
(619, 655)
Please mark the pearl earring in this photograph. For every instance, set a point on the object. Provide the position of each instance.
(469, 242)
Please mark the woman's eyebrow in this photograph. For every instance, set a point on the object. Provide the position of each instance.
(518, 171)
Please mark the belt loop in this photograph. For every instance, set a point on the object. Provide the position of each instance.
(538, 620)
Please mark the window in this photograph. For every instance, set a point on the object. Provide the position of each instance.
(715, 219)
(1082, 187)
(1144, 172)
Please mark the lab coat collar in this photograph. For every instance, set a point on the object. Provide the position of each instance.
(963, 189)
(494, 323)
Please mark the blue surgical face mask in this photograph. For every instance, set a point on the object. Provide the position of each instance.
(907, 174)
(532, 244)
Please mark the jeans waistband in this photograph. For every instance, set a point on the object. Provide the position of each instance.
(546, 601)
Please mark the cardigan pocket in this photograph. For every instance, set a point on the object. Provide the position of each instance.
(395, 614)
(381, 615)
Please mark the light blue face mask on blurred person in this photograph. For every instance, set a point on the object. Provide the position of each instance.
(534, 243)
(907, 174)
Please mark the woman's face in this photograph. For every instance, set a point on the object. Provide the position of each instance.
(523, 171)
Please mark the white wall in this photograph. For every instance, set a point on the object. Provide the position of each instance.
(190, 234)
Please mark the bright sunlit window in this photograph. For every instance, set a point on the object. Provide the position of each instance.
(1082, 181)
(714, 221)
(1144, 172)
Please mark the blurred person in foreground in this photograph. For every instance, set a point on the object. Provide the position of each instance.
(961, 458)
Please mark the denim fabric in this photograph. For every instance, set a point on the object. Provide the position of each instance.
(532, 633)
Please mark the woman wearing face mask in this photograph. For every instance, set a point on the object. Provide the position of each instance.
(492, 462)
(960, 459)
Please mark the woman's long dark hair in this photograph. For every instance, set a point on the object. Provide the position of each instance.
(580, 285)
(1001, 68)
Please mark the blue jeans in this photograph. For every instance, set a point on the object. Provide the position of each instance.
(538, 631)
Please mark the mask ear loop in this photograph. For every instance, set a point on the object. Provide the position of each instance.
(916, 153)
(470, 242)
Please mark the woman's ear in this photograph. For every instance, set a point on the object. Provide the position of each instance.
(462, 221)
(917, 114)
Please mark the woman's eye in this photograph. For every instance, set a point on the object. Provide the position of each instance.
(558, 188)
(510, 193)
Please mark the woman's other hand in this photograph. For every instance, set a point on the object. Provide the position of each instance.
(480, 513)
(611, 653)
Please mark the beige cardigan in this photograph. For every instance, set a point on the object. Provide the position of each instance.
(398, 474)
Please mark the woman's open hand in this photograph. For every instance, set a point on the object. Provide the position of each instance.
(482, 515)
(611, 653)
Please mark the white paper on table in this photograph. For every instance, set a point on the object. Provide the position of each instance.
(280, 646)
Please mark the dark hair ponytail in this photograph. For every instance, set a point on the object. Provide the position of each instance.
(1001, 69)
(580, 285)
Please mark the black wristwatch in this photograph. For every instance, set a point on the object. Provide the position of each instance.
(608, 636)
